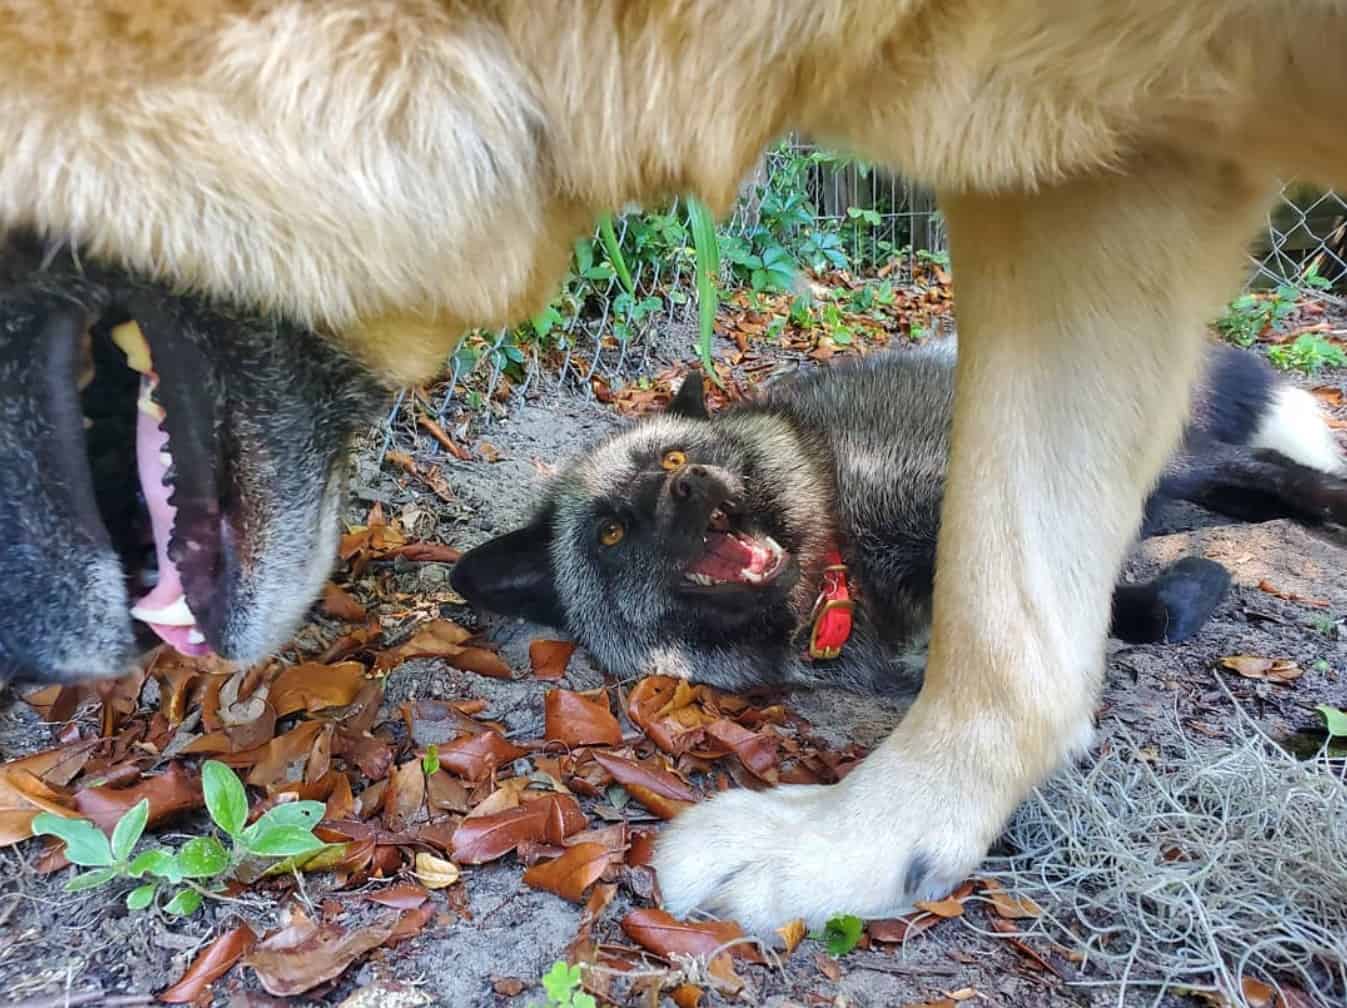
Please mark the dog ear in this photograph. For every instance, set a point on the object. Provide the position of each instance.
(690, 401)
(512, 575)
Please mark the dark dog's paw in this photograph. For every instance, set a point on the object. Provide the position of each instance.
(1174, 606)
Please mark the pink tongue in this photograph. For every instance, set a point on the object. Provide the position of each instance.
(150, 441)
(726, 557)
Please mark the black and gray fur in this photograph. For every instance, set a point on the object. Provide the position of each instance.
(260, 419)
(854, 454)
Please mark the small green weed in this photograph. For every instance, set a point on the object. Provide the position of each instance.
(1249, 316)
(1335, 720)
(841, 934)
(1308, 354)
(562, 986)
(199, 865)
(430, 762)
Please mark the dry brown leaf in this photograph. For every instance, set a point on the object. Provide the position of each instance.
(571, 874)
(300, 957)
(658, 790)
(756, 750)
(435, 873)
(404, 896)
(435, 639)
(284, 759)
(480, 661)
(1269, 588)
(342, 605)
(828, 966)
(169, 793)
(547, 820)
(1008, 906)
(312, 686)
(548, 658)
(686, 995)
(666, 936)
(213, 962)
(506, 796)
(21, 801)
(792, 934)
(404, 795)
(1329, 395)
(574, 719)
(947, 908)
(445, 793)
(474, 757)
(424, 552)
(1278, 670)
(898, 929)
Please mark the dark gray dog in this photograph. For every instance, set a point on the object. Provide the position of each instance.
(200, 495)
(793, 539)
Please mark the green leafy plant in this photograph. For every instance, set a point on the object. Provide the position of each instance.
(707, 249)
(1335, 720)
(199, 864)
(430, 762)
(840, 934)
(1249, 316)
(1308, 354)
(562, 984)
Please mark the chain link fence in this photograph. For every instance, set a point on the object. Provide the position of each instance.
(607, 337)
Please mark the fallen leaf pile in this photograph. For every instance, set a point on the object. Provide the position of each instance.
(575, 809)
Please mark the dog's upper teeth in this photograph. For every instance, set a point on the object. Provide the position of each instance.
(131, 341)
(165, 459)
(176, 613)
(147, 405)
(701, 579)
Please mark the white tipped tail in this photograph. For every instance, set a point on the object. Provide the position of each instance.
(1295, 426)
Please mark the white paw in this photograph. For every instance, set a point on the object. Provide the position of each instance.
(868, 846)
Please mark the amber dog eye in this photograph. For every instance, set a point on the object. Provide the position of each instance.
(611, 533)
(673, 460)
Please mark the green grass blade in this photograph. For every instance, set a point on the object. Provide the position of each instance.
(707, 249)
(609, 238)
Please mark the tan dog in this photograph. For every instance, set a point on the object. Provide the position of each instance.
(395, 171)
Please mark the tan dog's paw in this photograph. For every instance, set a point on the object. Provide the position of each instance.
(862, 847)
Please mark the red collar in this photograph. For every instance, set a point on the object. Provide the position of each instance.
(832, 610)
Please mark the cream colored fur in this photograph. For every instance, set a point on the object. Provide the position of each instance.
(393, 172)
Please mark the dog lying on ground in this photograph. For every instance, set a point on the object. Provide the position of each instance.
(392, 173)
(792, 540)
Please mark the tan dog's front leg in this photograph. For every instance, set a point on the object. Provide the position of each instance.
(1081, 311)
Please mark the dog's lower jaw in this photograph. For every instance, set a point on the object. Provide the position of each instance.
(1063, 419)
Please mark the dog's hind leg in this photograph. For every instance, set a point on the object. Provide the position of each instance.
(1081, 309)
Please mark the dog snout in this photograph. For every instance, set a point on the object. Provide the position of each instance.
(700, 483)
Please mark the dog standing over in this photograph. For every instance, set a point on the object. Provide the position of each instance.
(392, 173)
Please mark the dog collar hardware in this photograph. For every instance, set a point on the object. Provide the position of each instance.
(832, 611)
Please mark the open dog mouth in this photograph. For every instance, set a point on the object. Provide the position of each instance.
(174, 461)
(734, 557)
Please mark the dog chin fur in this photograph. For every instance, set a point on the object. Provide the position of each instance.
(395, 172)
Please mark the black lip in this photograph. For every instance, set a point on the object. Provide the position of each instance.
(188, 394)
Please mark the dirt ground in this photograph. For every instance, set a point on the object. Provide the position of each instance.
(1289, 601)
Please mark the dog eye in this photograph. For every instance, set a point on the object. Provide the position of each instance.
(611, 533)
(673, 460)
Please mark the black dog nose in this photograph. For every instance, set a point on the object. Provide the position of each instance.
(690, 480)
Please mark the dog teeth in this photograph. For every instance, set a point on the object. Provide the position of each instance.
(176, 613)
(165, 459)
(131, 341)
(196, 637)
(147, 405)
(701, 579)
